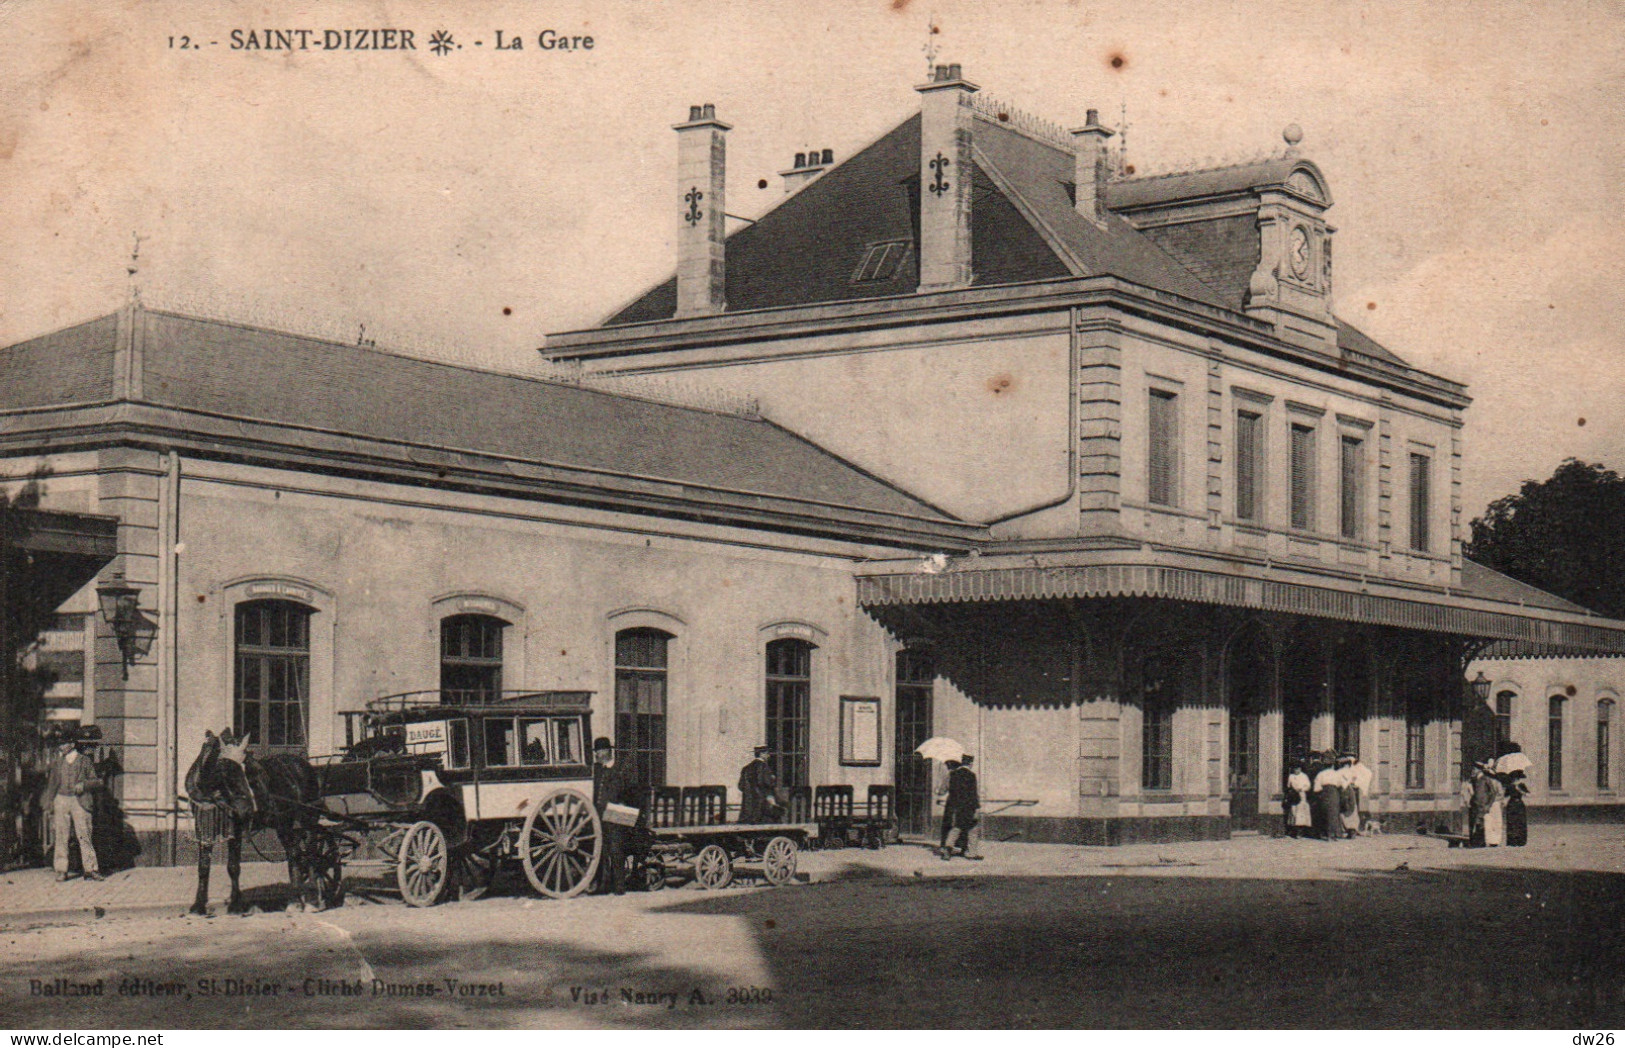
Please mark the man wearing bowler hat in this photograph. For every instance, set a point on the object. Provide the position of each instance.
(613, 782)
(758, 783)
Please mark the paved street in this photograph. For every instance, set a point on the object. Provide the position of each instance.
(1379, 932)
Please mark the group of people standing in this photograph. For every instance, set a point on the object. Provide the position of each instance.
(1327, 796)
(1492, 795)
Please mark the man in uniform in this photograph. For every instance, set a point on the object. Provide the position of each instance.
(964, 801)
(758, 783)
(70, 790)
(613, 782)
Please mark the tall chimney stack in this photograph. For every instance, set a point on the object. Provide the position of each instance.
(1091, 164)
(701, 234)
(945, 179)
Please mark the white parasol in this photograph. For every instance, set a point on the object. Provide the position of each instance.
(1508, 763)
(940, 748)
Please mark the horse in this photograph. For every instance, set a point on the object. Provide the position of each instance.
(233, 793)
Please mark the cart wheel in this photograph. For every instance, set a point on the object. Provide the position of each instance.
(423, 864)
(326, 871)
(779, 861)
(712, 867)
(654, 874)
(560, 844)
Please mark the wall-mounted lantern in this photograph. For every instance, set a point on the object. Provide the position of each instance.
(122, 611)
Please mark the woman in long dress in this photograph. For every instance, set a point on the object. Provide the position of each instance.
(1495, 833)
(1297, 801)
(1510, 768)
(1329, 801)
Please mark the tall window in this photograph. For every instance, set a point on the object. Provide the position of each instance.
(640, 702)
(1162, 476)
(1416, 747)
(1249, 463)
(1161, 691)
(916, 680)
(1605, 718)
(1351, 486)
(789, 700)
(271, 697)
(1554, 743)
(1503, 717)
(1303, 477)
(1421, 483)
(471, 658)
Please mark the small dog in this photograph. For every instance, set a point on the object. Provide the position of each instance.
(1372, 828)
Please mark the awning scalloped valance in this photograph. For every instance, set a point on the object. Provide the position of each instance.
(1208, 587)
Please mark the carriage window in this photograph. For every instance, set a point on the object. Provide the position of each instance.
(567, 748)
(534, 734)
(501, 745)
(272, 686)
(457, 752)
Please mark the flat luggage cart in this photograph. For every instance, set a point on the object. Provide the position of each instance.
(441, 790)
(713, 852)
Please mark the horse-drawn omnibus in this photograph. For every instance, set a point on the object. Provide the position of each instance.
(444, 792)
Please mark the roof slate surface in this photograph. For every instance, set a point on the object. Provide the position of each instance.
(1489, 584)
(217, 367)
(1023, 227)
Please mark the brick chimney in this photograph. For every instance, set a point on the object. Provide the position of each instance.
(945, 179)
(1091, 164)
(808, 166)
(701, 234)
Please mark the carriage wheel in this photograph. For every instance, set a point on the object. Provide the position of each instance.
(712, 867)
(560, 844)
(326, 870)
(779, 861)
(653, 872)
(423, 864)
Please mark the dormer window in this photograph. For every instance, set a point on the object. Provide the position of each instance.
(881, 262)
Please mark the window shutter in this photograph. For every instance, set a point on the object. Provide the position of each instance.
(1353, 473)
(1162, 453)
(1303, 477)
(1247, 465)
(1420, 484)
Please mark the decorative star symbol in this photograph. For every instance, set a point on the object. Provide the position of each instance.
(440, 42)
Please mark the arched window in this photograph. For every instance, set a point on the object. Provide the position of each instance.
(271, 690)
(1605, 722)
(1554, 743)
(789, 701)
(1160, 689)
(1503, 717)
(471, 658)
(640, 701)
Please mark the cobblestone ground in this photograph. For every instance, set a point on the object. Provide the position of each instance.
(1378, 932)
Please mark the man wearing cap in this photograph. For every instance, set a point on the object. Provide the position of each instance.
(613, 782)
(70, 791)
(758, 801)
(964, 802)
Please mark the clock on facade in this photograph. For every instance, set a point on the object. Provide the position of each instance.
(1299, 252)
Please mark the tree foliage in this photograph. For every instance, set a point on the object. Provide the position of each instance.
(1565, 535)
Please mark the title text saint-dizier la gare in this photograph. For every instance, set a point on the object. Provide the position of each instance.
(388, 39)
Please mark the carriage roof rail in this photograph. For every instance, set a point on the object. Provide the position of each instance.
(455, 701)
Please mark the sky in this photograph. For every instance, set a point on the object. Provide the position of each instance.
(466, 204)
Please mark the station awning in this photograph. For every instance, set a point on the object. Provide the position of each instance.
(1486, 605)
(51, 555)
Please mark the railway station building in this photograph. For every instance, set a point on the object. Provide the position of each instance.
(1006, 442)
